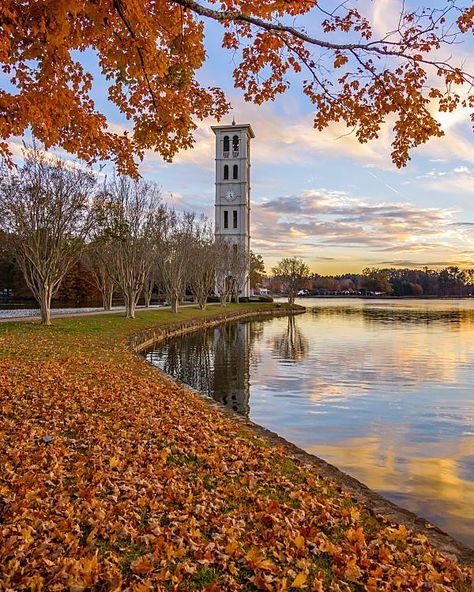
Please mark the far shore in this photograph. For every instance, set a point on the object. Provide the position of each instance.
(381, 297)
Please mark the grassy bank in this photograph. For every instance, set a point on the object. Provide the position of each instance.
(115, 478)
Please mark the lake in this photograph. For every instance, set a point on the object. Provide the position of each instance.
(382, 389)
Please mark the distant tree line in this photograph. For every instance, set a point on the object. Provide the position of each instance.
(64, 233)
(450, 281)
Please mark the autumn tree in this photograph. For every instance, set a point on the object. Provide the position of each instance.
(149, 54)
(45, 209)
(257, 270)
(131, 220)
(376, 280)
(293, 272)
(78, 286)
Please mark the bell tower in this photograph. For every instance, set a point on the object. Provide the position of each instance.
(232, 205)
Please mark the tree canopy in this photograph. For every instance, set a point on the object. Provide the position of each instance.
(150, 52)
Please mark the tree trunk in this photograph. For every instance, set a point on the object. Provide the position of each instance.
(202, 302)
(147, 297)
(107, 291)
(174, 304)
(129, 305)
(110, 297)
(45, 305)
(223, 298)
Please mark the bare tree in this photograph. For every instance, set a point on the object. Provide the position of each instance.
(149, 285)
(232, 267)
(223, 254)
(132, 218)
(96, 259)
(292, 272)
(238, 270)
(175, 254)
(45, 207)
(291, 344)
(202, 271)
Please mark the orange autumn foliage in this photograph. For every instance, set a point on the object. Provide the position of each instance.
(150, 51)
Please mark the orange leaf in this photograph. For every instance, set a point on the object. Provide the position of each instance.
(299, 581)
(142, 565)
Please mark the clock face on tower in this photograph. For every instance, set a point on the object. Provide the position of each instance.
(230, 195)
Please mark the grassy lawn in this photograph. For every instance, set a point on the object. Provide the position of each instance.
(114, 478)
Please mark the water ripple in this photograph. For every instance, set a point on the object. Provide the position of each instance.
(383, 390)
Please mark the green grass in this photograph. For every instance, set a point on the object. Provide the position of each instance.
(322, 568)
(100, 333)
(133, 552)
(203, 578)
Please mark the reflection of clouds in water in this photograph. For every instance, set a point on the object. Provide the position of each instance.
(345, 353)
(401, 313)
(431, 481)
(382, 390)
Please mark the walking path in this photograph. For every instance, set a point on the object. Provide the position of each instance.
(32, 314)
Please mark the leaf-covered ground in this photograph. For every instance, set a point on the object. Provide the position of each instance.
(114, 478)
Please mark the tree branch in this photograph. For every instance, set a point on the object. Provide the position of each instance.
(119, 8)
(371, 47)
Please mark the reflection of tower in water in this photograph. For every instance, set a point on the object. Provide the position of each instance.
(215, 362)
(231, 366)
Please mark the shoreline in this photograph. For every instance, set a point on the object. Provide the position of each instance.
(375, 502)
(362, 297)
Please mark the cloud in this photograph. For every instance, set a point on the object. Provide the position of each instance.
(317, 219)
(18, 148)
(293, 142)
(419, 247)
(385, 16)
(418, 264)
(452, 184)
(458, 179)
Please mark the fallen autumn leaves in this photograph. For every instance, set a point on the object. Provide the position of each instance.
(114, 478)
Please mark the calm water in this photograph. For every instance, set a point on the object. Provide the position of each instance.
(381, 389)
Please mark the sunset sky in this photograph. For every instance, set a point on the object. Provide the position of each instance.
(323, 196)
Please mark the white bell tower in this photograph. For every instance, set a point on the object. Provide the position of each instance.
(232, 207)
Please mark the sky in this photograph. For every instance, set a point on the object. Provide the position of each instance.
(339, 205)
